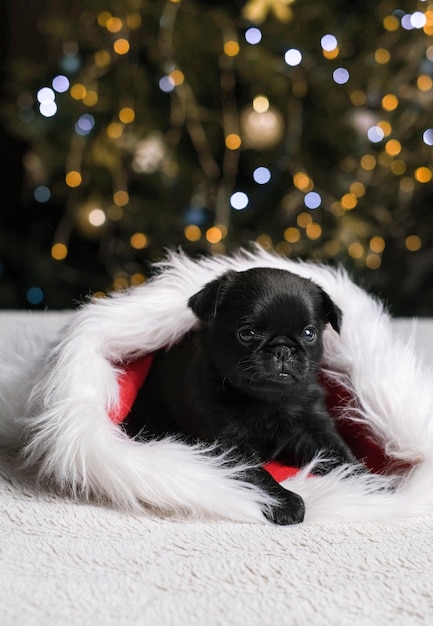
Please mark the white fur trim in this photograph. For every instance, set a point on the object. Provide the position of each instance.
(70, 439)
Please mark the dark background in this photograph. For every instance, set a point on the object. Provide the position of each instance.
(318, 136)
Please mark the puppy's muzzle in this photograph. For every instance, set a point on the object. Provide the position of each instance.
(285, 358)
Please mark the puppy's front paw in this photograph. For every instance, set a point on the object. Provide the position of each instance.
(290, 510)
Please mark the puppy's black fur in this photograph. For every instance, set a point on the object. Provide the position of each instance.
(247, 378)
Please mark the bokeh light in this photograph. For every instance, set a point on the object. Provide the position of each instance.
(418, 19)
(312, 200)
(42, 193)
(349, 201)
(304, 219)
(192, 233)
(239, 200)
(121, 197)
(341, 75)
(292, 234)
(389, 102)
(139, 241)
(121, 46)
(382, 56)
(293, 57)
(78, 91)
(113, 24)
(127, 115)
(253, 36)
(45, 95)
(423, 174)
(85, 124)
(60, 83)
(428, 136)
(73, 178)
(231, 48)
(302, 181)
(214, 235)
(355, 250)
(230, 130)
(329, 42)
(166, 84)
(377, 244)
(262, 175)
(261, 104)
(59, 251)
(413, 243)
(313, 231)
(375, 134)
(35, 295)
(233, 141)
(97, 217)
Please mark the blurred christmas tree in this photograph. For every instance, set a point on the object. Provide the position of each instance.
(305, 126)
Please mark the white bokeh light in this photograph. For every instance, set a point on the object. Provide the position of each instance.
(293, 57)
(262, 175)
(239, 200)
(341, 75)
(375, 134)
(97, 217)
(45, 95)
(418, 19)
(312, 200)
(428, 136)
(60, 83)
(253, 36)
(406, 22)
(329, 43)
(48, 109)
(166, 84)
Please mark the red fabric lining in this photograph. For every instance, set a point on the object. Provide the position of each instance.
(356, 435)
(132, 378)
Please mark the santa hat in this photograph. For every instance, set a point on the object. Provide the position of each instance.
(377, 390)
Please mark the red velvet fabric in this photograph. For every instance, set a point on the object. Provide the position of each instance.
(130, 381)
(356, 435)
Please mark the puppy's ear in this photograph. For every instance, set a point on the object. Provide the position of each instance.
(332, 313)
(204, 304)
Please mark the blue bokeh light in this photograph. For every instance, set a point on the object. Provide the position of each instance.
(42, 193)
(35, 295)
(70, 63)
(85, 124)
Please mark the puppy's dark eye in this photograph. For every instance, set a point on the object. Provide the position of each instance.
(246, 334)
(309, 334)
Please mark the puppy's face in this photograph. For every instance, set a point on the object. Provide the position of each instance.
(262, 328)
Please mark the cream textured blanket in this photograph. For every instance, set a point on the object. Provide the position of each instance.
(67, 563)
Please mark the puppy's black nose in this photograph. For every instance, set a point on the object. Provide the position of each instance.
(284, 357)
(282, 353)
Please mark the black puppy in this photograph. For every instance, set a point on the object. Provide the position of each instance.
(247, 379)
